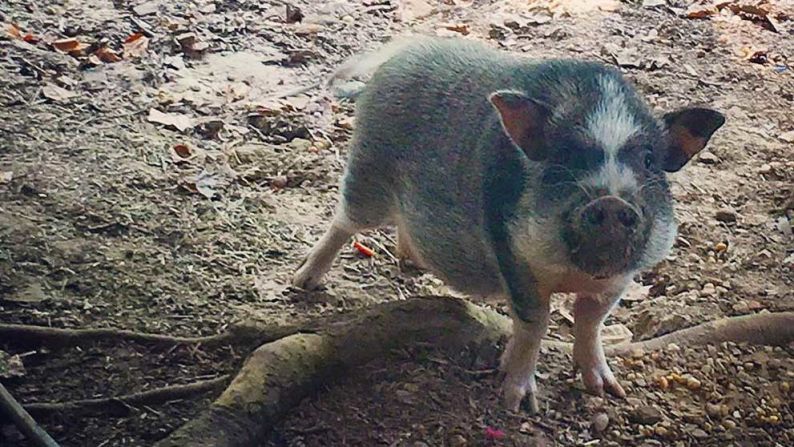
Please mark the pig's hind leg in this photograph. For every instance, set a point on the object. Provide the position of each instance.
(366, 202)
(589, 312)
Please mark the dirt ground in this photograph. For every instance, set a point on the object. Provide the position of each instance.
(150, 181)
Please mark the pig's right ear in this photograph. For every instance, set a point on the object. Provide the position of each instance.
(523, 120)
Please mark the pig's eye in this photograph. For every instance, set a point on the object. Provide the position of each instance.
(648, 160)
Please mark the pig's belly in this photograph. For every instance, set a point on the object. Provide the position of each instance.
(459, 258)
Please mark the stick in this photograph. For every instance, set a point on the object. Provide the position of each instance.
(120, 405)
(25, 334)
(24, 421)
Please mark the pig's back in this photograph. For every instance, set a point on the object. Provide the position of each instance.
(421, 124)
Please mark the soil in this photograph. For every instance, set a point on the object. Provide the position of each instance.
(112, 215)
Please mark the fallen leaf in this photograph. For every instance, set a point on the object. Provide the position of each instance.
(13, 31)
(700, 12)
(206, 183)
(70, 45)
(181, 152)
(11, 366)
(30, 38)
(460, 28)
(6, 177)
(494, 434)
(615, 334)
(135, 45)
(177, 121)
(56, 93)
(107, 55)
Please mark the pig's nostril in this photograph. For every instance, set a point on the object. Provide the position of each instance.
(595, 216)
(627, 217)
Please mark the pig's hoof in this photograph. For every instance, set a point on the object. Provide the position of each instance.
(513, 394)
(599, 380)
(306, 277)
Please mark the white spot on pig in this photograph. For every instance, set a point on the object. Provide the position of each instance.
(613, 176)
(611, 123)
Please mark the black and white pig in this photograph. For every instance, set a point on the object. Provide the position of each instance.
(514, 177)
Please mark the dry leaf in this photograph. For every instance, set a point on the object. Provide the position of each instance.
(6, 177)
(135, 45)
(55, 93)
(177, 121)
(30, 38)
(460, 28)
(71, 46)
(11, 365)
(206, 183)
(107, 55)
(181, 152)
(13, 31)
(700, 12)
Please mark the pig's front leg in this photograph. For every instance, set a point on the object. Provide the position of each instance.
(589, 312)
(520, 358)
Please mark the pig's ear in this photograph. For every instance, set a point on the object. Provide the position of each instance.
(688, 131)
(523, 120)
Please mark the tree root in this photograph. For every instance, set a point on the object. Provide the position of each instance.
(121, 405)
(278, 375)
(26, 335)
(24, 422)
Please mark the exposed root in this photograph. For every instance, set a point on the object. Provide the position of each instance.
(26, 335)
(23, 421)
(278, 375)
(761, 329)
(121, 405)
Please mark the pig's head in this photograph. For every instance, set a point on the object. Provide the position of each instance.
(597, 198)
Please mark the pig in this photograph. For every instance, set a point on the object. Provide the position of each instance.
(516, 178)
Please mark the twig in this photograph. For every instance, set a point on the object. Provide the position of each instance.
(24, 421)
(25, 334)
(121, 405)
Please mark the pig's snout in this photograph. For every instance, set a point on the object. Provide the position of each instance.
(606, 236)
(609, 217)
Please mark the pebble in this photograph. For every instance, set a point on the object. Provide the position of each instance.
(699, 433)
(660, 431)
(720, 247)
(726, 216)
(728, 424)
(714, 410)
(708, 290)
(599, 422)
(645, 415)
(708, 158)
(693, 383)
(458, 441)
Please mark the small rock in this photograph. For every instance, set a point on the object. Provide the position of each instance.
(699, 433)
(458, 441)
(788, 137)
(728, 424)
(714, 410)
(726, 216)
(645, 415)
(708, 290)
(720, 247)
(693, 384)
(707, 158)
(599, 422)
(660, 431)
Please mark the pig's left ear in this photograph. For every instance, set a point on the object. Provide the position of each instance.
(688, 132)
(523, 120)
